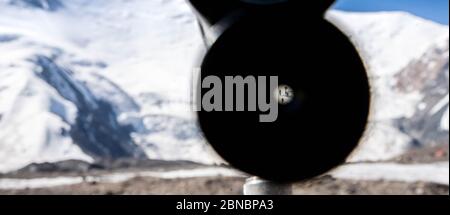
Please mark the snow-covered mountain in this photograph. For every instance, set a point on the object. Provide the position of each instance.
(104, 79)
(92, 80)
(407, 60)
(428, 75)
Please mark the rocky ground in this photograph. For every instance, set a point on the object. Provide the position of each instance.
(425, 155)
(233, 186)
(143, 185)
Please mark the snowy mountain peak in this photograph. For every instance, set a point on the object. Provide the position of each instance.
(404, 54)
(389, 40)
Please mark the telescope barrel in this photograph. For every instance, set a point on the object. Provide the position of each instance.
(215, 16)
(312, 114)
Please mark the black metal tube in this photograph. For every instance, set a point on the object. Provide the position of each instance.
(290, 40)
(215, 16)
(214, 10)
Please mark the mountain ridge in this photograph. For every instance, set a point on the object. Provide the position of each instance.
(115, 61)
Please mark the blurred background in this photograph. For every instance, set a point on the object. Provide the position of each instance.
(95, 99)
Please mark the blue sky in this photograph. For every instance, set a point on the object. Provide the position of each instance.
(436, 10)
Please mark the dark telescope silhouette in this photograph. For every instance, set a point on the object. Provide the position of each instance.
(315, 63)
